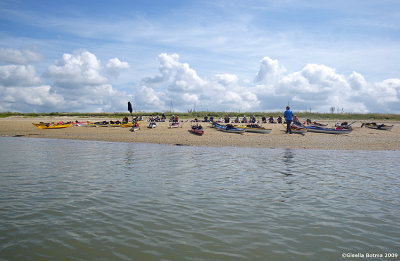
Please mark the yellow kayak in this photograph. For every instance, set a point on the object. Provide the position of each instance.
(254, 128)
(52, 125)
(130, 124)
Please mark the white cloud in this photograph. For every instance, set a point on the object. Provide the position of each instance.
(270, 71)
(186, 80)
(30, 99)
(357, 82)
(18, 76)
(168, 64)
(226, 79)
(79, 78)
(317, 86)
(146, 98)
(12, 56)
(181, 85)
(115, 66)
(386, 94)
(76, 70)
(79, 82)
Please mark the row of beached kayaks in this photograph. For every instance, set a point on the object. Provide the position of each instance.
(253, 128)
(298, 128)
(110, 124)
(343, 128)
(134, 126)
(59, 125)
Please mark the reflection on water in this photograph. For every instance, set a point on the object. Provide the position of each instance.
(289, 163)
(80, 200)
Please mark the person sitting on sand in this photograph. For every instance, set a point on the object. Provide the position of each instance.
(296, 120)
(279, 119)
(264, 119)
(271, 119)
(227, 119)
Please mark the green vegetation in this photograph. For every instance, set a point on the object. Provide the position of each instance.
(200, 115)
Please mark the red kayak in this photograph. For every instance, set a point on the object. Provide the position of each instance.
(197, 129)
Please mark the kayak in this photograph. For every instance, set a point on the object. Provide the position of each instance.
(83, 124)
(328, 130)
(114, 125)
(130, 124)
(229, 128)
(134, 128)
(298, 130)
(373, 125)
(52, 125)
(175, 125)
(197, 129)
(152, 125)
(255, 128)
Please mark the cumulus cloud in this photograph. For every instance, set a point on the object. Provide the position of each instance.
(31, 96)
(115, 66)
(168, 63)
(21, 57)
(315, 86)
(79, 82)
(76, 70)
(22, 90)
(79, 78)
(146, 98)
(270, 71)
(321, 87)
(18, 76)
(180, 85)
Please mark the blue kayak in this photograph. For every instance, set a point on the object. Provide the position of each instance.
(328, 130)
(228, 128)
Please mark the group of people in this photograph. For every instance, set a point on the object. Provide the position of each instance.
(134, 119)
(157, 118)
(288, 115)
(174, 118)
(271, 119)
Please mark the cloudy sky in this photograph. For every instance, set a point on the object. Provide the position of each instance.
(217, 55)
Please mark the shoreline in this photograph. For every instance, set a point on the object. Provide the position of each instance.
(358, 139)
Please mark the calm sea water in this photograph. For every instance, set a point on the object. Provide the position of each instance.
(85, 200)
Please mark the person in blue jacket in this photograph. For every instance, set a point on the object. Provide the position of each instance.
(289, 118)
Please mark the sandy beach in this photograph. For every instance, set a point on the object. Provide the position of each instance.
(359, 139)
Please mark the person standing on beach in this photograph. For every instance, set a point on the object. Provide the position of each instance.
(288, 117)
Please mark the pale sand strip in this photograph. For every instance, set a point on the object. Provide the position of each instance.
(359, 139)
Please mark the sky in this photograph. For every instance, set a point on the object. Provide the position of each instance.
(205, 55)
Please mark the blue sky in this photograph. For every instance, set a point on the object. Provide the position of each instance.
(254, 55)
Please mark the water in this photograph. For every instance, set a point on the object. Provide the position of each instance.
(85, 200)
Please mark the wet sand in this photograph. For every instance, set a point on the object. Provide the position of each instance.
(358, 139)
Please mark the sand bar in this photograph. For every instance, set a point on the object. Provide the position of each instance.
(359, 139)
